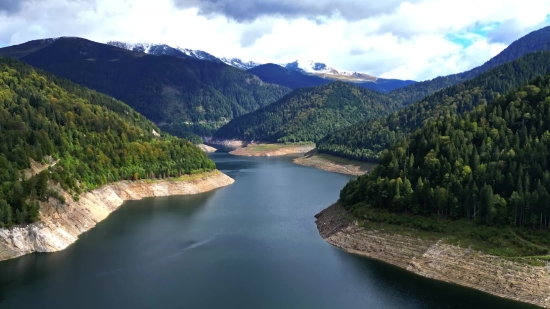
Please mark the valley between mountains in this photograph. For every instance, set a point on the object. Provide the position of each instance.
(451, 176)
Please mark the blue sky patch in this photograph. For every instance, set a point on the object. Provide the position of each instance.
(467, 38)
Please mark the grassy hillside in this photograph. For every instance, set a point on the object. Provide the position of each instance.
(88, 138)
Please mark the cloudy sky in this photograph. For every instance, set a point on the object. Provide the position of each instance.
(415, 39)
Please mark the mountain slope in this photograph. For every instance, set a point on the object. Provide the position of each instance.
(276, 74)
(239, 64)
(180, 94)
(535, 41)
(386, 85)
(163, 49)
(323, 70)
(88, 139)
(330, 74)
(298, 78)
(365, 141)
(489, 165)
(312, 70)
(298, 68)
(308, 114)
(21, 50)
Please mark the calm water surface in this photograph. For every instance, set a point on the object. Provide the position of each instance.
(250, 245)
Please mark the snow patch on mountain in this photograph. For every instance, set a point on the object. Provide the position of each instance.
(163, 49)
(323, 70)
(304, 66)
(240, 64)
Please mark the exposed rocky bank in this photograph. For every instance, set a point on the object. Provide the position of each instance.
(436, 260)
(311, 159)
(229, 143)
(271, 150)
(206, 148)
(60, 225)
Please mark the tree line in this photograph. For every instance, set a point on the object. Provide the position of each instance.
(490, 165)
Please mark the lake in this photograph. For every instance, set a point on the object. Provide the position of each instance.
(253, 244)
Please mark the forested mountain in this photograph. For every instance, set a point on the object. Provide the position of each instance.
(366, 140)
(490, 165)
(307, 114)
(178, 94)
(276, 74)
(89, 139)
(386, 85)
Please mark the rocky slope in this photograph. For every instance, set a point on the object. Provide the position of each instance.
(60, 225)
(436, 260)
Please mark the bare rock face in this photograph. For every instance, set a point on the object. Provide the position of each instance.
(436, 260)
(60, 225)
(207, 148)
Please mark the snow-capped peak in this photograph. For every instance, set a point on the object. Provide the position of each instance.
(323, 70)
(163, 49)
(304, 66)
(138, 47)
(240, 64)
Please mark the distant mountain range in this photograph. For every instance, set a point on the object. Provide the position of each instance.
(273, 74)
(180, 93)
(307, 114)
(163, 49)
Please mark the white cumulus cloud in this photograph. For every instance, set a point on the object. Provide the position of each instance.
(418, 39)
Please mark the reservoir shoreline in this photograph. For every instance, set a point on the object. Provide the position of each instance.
(255, 149)
(437, 260)
(333, 164)
(61, 224)
(310, 157)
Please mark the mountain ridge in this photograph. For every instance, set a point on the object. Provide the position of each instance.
(366, 140)
(180, 94)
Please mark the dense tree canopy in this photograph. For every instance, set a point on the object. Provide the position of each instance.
(490, 165)
(179, 94)
(92, 139)
(365, 140)
(307, 114)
